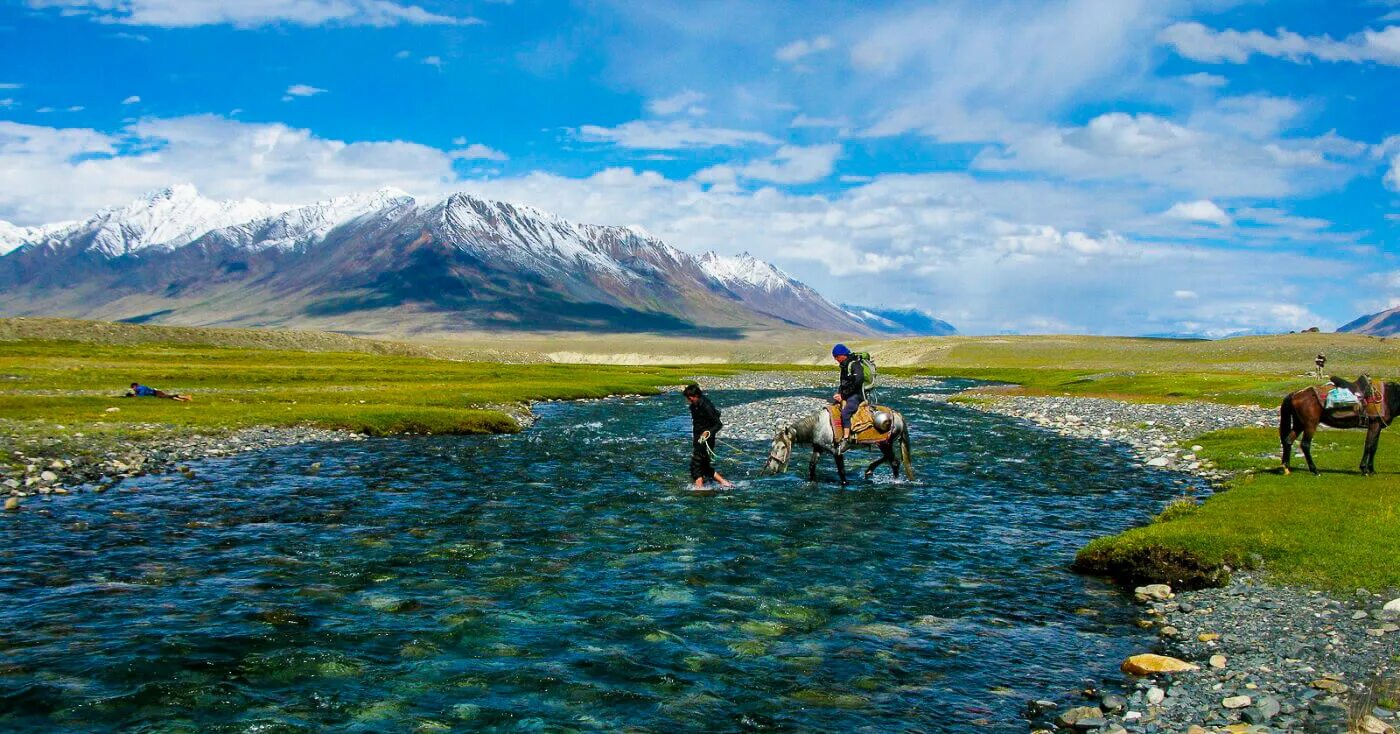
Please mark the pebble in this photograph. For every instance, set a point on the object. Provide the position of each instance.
(1236, 702)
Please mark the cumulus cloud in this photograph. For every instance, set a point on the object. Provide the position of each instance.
(672, 135)
(250, 13)
(687, 101)
(802, 48)
(1199, 211)
(1225, 152)
(1200, 43)
(477, 151)
(790, 164)
(50, 174)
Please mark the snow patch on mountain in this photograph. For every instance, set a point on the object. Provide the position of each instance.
(900, 321)
(308, 225)
(745, 270)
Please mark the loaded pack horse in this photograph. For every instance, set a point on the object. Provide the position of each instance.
(816, 431)
(1302, 411)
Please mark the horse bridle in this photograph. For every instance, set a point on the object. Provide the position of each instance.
(773, 453)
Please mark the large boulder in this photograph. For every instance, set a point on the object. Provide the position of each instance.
(1149, 664)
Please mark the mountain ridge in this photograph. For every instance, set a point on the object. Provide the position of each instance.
(381, 260)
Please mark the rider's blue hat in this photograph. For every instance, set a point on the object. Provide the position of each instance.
(839, 350)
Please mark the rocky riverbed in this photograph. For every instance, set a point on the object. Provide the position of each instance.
(102, 462)
(1253, 657)
(1152, 432)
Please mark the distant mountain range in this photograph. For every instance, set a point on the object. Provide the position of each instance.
(1383, 323)
(384, 263)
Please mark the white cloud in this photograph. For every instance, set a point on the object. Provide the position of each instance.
(1184, 295)
(1225, 152)
(672, 135)
(133, 99)
(797, 50)
(50, 174)
(433, 61)
(251, 13)
(76, 108)
(11, 85)
(1203, 80)
(477, 151)
(301, 90)
(8, 102)
(403, 54)
(687, 101)
(1199, 211)
(804, 120)
(790, 164)
(1199, 43)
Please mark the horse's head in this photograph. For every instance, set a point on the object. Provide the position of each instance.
(780, 451)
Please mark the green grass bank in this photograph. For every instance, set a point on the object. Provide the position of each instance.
(59, 395)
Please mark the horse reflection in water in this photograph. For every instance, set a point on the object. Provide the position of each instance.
(816, 430)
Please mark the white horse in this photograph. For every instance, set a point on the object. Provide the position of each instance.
(816, 430)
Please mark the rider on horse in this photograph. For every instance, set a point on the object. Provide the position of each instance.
(851, 392)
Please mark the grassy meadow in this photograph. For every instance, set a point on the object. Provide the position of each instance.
(59, 394)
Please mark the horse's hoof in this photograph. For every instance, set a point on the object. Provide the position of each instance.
(1287, 471)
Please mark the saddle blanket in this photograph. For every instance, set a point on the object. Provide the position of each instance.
(1340, 397)
(1341, 403)
(862, 424)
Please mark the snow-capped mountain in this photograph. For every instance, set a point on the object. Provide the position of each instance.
(383, 262)
(168, 218)
(900, 321)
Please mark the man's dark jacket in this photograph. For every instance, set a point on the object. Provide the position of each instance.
(704, 416)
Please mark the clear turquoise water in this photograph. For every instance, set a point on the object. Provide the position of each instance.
(564, 580)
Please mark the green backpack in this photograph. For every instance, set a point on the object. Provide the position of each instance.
(869, 364)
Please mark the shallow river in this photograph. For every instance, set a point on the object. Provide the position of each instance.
(564, 580)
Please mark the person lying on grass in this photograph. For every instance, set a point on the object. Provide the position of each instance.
(141, 391)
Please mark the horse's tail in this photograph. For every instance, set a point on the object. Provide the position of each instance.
(1288, 422)
(904, 452)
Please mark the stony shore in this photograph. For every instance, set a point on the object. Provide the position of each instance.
(1261, 657)
(1152, 432)
(104, 462)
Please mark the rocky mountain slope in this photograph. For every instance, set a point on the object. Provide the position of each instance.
(384, 262)
(1384, 323)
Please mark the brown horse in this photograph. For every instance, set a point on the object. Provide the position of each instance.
(1303, 410)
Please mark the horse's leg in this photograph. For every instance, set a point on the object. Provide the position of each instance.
(1288, 455)
(812, 463)
(1306, 446)
(1368, 454)
(841, 469)
(885, 456)
(891, 457)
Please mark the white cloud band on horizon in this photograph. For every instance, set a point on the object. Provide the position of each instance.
(1200, 43)
(250, 13)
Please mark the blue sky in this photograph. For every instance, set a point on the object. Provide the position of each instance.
(1114, 166)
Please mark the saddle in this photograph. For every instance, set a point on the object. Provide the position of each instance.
(862, 424)
(1371, 394)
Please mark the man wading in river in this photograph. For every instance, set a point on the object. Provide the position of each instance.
(704, 428)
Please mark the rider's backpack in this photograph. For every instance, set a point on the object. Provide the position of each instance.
(869, 365)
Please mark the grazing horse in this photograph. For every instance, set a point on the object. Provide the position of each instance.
(1303, 410)
(815, 430)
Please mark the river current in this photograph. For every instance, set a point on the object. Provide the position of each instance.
(563, 579)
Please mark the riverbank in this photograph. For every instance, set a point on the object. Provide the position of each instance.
(1266, 655)
(63, 422)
